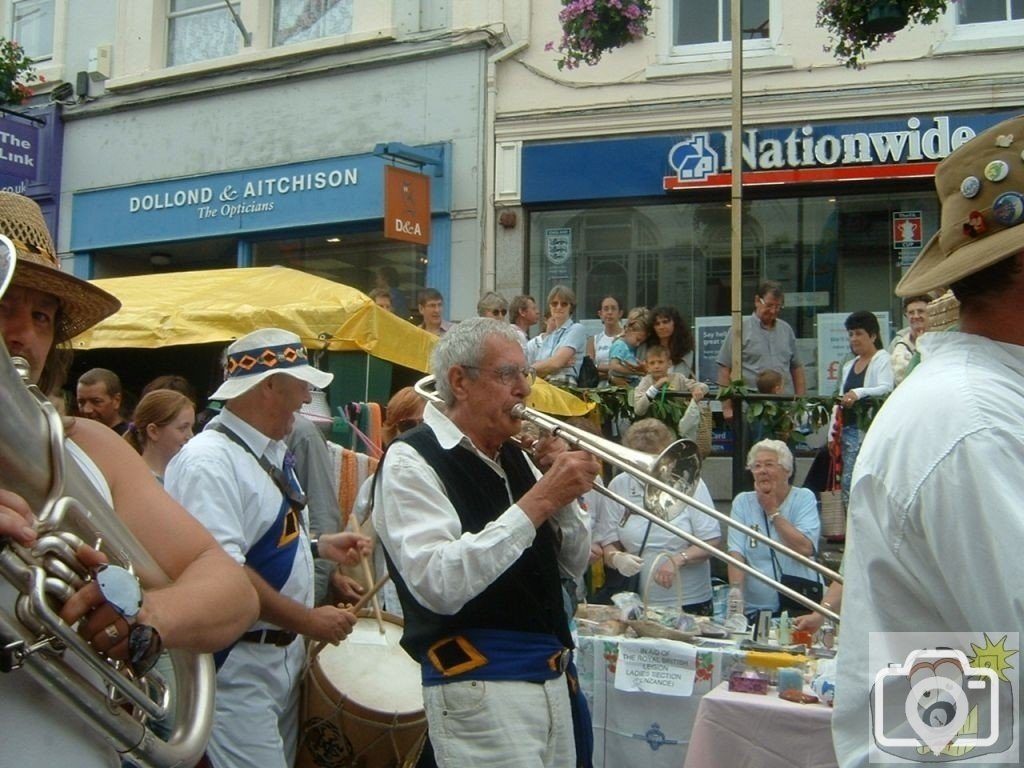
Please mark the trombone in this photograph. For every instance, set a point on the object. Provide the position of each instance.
(668, 478)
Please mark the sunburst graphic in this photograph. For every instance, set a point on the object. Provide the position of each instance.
(993, 656)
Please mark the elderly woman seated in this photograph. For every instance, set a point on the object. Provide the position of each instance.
(637, 544)
(786, 514)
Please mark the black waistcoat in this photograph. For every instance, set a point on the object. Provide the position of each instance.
(527, 597)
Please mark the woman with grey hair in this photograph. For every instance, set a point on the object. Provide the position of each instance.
(492, 305)
(562, 350)
(634, 547)
(786, 514)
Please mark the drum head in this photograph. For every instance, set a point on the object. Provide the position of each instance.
(371, 669)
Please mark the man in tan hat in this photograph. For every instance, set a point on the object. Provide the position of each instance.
(210, 601)
(238, 479)
(935, 521)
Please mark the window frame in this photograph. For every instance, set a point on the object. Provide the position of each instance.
(52, 68)
(698, 52)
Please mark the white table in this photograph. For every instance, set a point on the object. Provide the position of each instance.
(637, 729)
(744, 730)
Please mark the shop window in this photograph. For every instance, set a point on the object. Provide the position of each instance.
(299, 20)
(832, 254)
(356, 259)
(32, 25)
(988, 11)
(198, 30)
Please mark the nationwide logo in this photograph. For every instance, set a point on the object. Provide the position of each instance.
(814, 154)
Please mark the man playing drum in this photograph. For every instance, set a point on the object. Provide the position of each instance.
(475, 539)
(210, 601)
(239, 480)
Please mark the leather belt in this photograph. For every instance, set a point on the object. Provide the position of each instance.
(276, 637)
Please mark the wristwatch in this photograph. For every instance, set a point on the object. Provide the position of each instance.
(773, 515)
(686, 559)
(314, 545)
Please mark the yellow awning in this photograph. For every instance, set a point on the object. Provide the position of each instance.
(219, 305)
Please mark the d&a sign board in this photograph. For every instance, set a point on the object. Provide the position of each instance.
(406, 205)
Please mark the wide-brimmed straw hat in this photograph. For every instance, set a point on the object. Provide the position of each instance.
(82, 303)
(263, 353)
(981, 190)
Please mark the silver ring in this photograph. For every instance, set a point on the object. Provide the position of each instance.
(112, 633)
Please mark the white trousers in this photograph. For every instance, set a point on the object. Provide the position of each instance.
(505, 724)
(257, 707)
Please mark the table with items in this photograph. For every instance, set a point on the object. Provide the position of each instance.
(745, 730)
(646, 693)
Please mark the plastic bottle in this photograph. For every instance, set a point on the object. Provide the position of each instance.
(785, 629)
(734, 605)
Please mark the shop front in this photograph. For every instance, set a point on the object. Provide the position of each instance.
(324, 217)
(834, 211)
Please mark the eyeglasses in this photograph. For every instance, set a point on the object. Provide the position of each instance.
(773, 306)
(557, 303)
(507, 374)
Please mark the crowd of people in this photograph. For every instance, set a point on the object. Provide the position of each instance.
(486, 539)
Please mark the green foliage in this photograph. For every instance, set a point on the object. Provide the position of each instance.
(850, 35)
(17, 72)
(590, 28)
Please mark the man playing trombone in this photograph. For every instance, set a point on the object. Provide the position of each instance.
(476, 539)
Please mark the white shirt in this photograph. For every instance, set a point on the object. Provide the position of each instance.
(224, 488)
(443, 567)
(935, 525)
(696, 578)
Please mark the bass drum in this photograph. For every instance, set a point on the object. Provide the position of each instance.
(362, 702)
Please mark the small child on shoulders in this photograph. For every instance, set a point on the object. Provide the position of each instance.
(659, 377)
(624, 367)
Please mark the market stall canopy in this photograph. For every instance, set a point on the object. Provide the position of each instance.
(220, 305)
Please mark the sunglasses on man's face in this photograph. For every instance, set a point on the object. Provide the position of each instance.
(557, 303)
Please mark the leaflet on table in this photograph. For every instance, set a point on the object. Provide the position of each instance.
(656, 666)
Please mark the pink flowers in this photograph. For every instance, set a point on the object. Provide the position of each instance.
(16, 74)
(592, 27)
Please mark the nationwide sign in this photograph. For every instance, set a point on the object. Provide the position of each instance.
(809, 153)
(650, 166)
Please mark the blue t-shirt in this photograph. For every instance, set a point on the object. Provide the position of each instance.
(801, 509)
(620, 350)
(572, 335)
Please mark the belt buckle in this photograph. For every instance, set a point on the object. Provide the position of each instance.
(559, 661)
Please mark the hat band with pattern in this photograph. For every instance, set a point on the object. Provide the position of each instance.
(278, 358)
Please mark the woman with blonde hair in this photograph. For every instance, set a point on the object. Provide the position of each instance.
(160, 427)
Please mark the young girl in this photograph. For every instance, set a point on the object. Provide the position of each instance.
(160, 427)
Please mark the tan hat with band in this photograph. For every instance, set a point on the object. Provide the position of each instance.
(82, 303)
(981, 190)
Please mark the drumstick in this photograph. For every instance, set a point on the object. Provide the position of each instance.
(365, 561)
(376, 603)
(319, 646)
(369, 595)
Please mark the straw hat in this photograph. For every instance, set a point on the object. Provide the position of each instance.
(981, 189)
(82, 303)
(263, 353)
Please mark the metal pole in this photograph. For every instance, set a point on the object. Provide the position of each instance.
(736, 31)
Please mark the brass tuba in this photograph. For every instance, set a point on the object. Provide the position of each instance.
(33, 639)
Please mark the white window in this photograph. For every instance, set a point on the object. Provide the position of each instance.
(703, 22)
(299, 20)
(988, 11)
(32, 24)
(696, 35)
(198, 30)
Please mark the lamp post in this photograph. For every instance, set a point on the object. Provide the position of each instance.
(736, 197)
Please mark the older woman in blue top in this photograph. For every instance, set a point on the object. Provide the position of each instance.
(558, 360)
(775, 508)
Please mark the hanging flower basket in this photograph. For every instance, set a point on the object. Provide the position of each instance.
(858, 26)
(590, 28)
(16, 74)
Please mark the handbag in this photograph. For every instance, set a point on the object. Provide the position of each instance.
(833, 514)
(587, 377)
(809, 588)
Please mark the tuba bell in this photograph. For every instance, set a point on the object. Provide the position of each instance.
(34, 641)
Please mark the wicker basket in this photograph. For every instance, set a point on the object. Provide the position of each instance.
(943, 312)
(833, 516)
